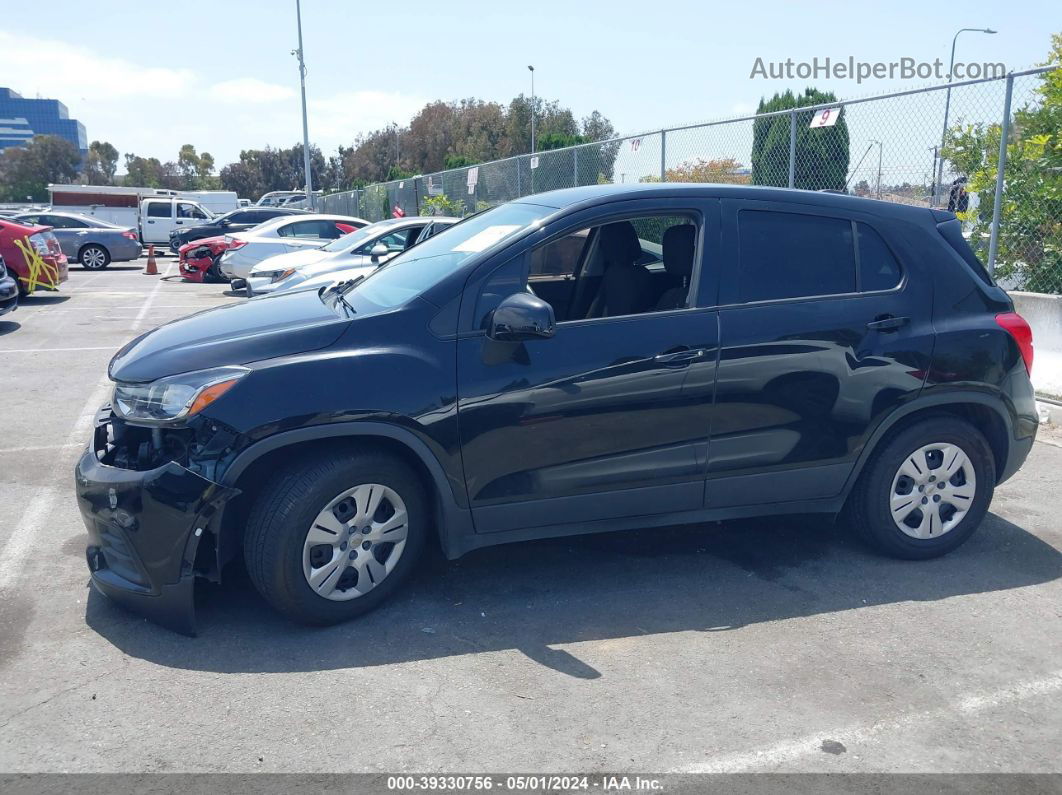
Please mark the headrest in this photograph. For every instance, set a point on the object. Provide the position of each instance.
(619, 243)
(678, 246)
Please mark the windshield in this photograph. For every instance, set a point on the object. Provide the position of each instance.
(355, 238)
(426, 264)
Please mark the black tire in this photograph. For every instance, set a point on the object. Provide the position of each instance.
(213, 273)
(867, 511)
(285, 510)
(97, 255)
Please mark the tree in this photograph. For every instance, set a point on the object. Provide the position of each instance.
(725, 170)
(259, 171)
(1029, 253)
(26, 171)
(100, 164)
(195, 169)
(821, 160)
(150, 172)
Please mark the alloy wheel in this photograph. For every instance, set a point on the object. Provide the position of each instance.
(932, 491)
(93, 258)
(355, 542)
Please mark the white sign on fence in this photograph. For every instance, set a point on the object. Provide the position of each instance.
(636, 144)
(434, 188)
(473, 177)
(827, 117)
(534, 161)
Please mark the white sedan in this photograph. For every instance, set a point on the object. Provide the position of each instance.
(369, 247)
(281, 235)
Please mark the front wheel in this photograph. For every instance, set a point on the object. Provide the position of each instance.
(94, 258)
(926, 491)
(334, 535)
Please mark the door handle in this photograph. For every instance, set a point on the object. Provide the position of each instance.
(887, 323)
(679, 358)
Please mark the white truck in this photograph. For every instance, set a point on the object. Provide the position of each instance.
(153, 212)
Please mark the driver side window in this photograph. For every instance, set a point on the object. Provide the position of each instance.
(628, 267)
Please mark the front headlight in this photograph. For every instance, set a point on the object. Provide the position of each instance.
(176, 396)
(278, 275)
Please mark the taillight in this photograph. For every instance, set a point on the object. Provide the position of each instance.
(233, 243)
(1015, 325)
(129, 234)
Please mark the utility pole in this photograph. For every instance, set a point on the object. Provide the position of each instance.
(305, 127)
(532, 70)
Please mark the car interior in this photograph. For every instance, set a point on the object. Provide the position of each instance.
(621, 268)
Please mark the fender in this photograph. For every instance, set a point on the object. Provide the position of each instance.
(454, 522)
(994, 401)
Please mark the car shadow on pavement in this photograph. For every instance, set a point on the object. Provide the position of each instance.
(538, 595)
(8, 326)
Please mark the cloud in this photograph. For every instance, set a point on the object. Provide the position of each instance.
(249, 89)
(341, 116)
(52, 68)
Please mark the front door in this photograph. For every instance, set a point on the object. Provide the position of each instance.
(609, 417)
(821, 335)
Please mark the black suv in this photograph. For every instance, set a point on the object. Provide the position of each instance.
(233, 221)
(590, 359)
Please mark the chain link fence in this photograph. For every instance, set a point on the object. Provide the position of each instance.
(932, 147)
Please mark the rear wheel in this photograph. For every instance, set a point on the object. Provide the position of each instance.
(93, 257)
(333, 536)
(926, 491)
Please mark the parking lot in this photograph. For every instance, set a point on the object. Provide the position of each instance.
(778, 644)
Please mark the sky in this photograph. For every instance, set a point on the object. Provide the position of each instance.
(151, 76)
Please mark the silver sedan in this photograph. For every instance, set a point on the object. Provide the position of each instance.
(90, 241)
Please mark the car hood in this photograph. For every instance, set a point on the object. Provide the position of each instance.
(292, 259)
(335, 262)
(249, 331)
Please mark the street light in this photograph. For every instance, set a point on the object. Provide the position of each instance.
(532, 70)
(305, 128)
(875, 141)
(947, 106)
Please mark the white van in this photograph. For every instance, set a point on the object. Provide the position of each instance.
(161, 215)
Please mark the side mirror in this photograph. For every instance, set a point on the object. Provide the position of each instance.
(224, 222)
(379, 251)
(522, 317)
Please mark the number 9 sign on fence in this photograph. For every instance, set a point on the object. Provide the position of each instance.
(827, 117)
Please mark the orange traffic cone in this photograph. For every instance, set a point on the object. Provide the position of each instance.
(151, 269)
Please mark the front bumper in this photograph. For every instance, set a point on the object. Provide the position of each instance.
(144, 529)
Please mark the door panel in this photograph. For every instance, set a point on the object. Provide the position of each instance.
(802, 383)
(591, 411)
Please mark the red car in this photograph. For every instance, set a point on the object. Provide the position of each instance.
(44, 268)
(198, 259)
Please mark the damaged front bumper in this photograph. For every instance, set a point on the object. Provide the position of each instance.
(145, 528)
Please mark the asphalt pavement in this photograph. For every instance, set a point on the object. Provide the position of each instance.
(771, 645)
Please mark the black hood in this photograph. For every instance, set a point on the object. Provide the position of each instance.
(262, 328)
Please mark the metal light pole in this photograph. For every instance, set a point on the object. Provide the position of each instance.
(879, 166)
(395, 123)
(532, 70)
(305, 127)
(947, 107)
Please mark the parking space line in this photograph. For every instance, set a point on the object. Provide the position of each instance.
(22, 540)
(771, 756)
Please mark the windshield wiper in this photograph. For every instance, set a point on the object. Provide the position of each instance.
(339, 291)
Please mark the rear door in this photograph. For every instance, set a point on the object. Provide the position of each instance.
(156, 220)
(823, 331)
(70, 232)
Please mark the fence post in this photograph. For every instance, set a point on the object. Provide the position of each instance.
(575, 168)
(663, 155)
(1004, 131)
(792, 148)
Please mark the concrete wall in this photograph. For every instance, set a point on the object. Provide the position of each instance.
(1044, 314)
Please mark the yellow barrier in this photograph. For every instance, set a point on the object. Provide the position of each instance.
(41, 274)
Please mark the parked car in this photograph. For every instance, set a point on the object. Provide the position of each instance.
(53, 268)
(281, 235)
(93, 243)
(538, 370)
(277, 197)
(8, 290)
(235, 221)
(161, 216)
(368, 248)
(198, 260)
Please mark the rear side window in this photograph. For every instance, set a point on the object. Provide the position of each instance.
(878, 268)
(952, 232)
(789, 255)
(158, 209)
